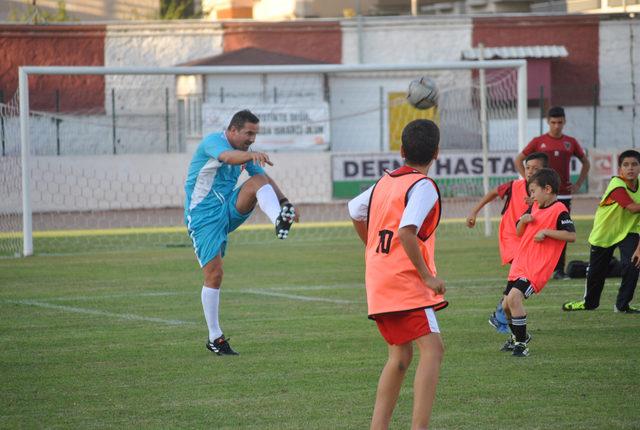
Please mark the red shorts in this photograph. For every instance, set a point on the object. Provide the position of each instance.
(402, 327)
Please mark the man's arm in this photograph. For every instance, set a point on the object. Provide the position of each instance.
(240, 157)
(519, 162)
(490, 196)
(584, 171)
(409, 240)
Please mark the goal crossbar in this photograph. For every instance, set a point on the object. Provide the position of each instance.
(25, 71)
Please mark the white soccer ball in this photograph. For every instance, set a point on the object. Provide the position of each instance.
(422, 93)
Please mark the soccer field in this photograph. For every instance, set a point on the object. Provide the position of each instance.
(116, 340)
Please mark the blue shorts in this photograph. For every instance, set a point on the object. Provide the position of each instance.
(209, 231)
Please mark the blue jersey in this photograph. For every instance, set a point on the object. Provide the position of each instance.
(210, 182)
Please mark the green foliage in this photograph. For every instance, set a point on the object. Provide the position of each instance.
(177, 9)
(77, 351)
(34, 14)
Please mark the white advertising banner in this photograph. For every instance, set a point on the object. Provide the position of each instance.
(281, 127)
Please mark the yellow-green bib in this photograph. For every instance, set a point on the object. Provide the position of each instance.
(612, 222)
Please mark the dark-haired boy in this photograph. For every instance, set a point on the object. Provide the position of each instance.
(396, 219)
(516, 196)
(615, 226)
(544, 230)
(559, 148)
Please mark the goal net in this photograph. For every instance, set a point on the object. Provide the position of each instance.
(107, 149)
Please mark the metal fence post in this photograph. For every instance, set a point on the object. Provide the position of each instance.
(541, 107)
(595, 115)
(166, 115)
(57, 120)
(113, 119)
(2, 124)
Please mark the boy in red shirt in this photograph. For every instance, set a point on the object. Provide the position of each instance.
(544, 230)
(396, 219)
(517, 200)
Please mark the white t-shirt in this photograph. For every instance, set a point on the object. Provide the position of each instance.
(422, 198)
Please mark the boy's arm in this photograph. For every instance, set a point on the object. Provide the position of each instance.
(563, 235)
(409, 240)
(523, 221)
(564, 231)
(490, 196)
(358, 211)
(635, 258)
(361, 229)
(584, 171)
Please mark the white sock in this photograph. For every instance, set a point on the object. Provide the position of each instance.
(268, 202)
(210, 303)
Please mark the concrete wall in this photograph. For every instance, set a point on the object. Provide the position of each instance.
(406, 40)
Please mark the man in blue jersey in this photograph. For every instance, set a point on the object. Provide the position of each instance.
(214, 207)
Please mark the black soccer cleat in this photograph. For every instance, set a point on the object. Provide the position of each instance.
(511, 343)
(285, 220)
(221, 346)
(520, 350)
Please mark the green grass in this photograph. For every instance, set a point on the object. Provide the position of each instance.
(116, 340)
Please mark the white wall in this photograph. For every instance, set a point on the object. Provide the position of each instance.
(136, 181)
(406, 39)
(619, 70)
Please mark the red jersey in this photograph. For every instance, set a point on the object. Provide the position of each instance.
(514, 207)
(559, 150)
(393, 284)
(535, 261)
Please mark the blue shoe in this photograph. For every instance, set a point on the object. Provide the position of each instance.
(500, 328)
(501, 317)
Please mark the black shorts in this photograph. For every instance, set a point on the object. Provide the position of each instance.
(521, 284)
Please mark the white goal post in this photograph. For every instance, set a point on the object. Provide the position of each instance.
(26, 71)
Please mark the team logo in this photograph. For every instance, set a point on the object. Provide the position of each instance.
(567, 145)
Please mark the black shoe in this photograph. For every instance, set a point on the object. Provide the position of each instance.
(285, 220)
(520, 350)
(221, 346)
(630, 310)
(559, 274)
(511, 343)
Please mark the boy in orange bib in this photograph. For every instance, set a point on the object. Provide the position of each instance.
(544, 230)
(396, 219)
(516, 196)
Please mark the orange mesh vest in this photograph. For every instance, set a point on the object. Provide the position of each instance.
(514, 208)
(393, 283)
(535, 261)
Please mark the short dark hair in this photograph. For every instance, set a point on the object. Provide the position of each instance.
(546, 176)
(538, 156)
(629, 153)
(556, 112)
(240, 118)
(420, 140)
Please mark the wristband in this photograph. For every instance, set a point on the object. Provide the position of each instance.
(283, 200)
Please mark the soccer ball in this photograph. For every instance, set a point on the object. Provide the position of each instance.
(422, 93)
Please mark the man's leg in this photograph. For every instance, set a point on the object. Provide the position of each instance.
(212, 272)
(258, 189)
(210, 296)
(426, 379)
(629, 272)
(596, 274)
(389, 384)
